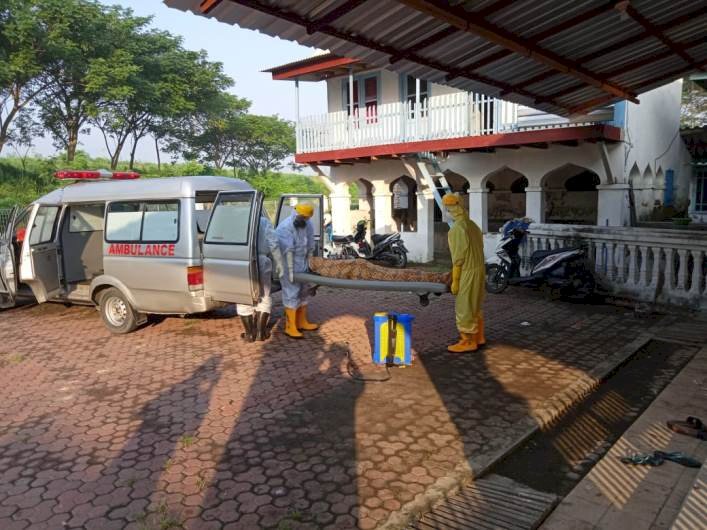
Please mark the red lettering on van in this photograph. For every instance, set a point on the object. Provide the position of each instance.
(171, 250)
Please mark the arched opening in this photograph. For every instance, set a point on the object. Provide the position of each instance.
(506, 196)
(362, 202)
(646, 196)
(571, 195)
(404, 204)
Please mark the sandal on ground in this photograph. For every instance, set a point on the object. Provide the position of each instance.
(656, 458)
(691, 427)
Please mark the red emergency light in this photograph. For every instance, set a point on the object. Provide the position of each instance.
(70, 174)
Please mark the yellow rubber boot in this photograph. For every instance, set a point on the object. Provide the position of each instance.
(302, 322)
(480, 336)
(466, 344)
(291, 324)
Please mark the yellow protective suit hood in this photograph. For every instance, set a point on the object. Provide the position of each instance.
(453, 203)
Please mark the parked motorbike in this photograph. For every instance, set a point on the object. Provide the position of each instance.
(387, 248)
(565, 269)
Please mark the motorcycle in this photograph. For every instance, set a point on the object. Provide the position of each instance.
(387, 248)
(565, 269)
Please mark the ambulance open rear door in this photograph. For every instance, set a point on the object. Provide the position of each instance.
(230, 256)
(8, 276)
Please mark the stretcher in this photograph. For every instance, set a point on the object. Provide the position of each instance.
(422, 289)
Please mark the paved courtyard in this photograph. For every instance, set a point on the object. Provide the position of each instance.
(181, 424)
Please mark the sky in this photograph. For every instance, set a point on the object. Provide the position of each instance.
(244, 53)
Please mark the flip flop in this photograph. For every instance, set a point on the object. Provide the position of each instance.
(690, 427)
(656, 458)
(678, 458)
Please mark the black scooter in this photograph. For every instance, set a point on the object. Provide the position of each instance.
(387, 248)
(565, 269)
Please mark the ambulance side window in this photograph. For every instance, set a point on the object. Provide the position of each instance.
(143, 221)
(44, 223)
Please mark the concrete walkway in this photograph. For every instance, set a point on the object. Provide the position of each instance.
(616, 496)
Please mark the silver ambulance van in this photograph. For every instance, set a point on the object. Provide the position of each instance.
(134, 246)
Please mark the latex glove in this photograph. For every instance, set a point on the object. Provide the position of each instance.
(291, 267)
(278, 263)
(310, 254)
(456, 276)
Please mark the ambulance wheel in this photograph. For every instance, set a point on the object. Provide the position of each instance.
(117, 313)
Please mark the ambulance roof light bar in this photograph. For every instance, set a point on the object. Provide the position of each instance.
(100, 174)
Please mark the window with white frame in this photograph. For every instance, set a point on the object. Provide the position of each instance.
(365, 93)
(701, 189)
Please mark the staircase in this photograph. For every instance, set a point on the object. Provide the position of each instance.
(425, 161)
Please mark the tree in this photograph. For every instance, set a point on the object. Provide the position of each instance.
(92, 64)
(25, 131)
(694, 105)
(25, 52)
(213, 133)
(265, 142)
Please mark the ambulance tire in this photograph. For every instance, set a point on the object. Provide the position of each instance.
(117, 313)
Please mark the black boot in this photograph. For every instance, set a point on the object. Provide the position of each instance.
(261, 322)
(249, 325)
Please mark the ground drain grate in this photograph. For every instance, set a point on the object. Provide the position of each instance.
(490, 503)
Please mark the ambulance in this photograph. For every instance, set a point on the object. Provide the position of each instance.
(133, 247)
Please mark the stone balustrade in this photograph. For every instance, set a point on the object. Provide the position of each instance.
(656, 266)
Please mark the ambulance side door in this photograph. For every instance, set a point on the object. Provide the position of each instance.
(8, 277)
(39, 266)
(287, 205)
(230, 257)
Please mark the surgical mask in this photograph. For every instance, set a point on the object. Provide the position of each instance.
(299, 222)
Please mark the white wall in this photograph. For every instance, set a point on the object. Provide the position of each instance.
(653, 145)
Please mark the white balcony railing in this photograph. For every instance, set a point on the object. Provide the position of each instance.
(438, 117)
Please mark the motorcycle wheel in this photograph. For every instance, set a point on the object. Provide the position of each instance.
(400, 258)
(496, 279)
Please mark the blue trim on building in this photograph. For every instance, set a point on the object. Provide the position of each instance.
(619, 114)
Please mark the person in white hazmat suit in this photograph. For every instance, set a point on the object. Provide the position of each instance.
(255, 318)
(297, 244)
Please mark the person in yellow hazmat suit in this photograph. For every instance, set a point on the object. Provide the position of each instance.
(466, 245)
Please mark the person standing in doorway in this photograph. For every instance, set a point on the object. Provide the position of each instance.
(466, 245)
(297, 244)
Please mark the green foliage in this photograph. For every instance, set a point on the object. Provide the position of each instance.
(22, 185)
(265, 141)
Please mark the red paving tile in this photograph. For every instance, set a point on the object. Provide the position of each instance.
(181, 419)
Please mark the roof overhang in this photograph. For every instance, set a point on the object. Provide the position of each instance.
(561, 56)
(541, 138)
(317, 68)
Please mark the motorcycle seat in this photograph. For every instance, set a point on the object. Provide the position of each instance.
(540, 255)
(341, 239)
(377, 238)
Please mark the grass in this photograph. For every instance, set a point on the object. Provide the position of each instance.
(201, 482)
(160, 519)
(187, 441)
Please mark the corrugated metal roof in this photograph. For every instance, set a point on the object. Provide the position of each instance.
(589, 37)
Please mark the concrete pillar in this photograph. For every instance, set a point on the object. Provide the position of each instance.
(424, 247)
(535, 203)
(383, 210)
(613, 208)
(478, 208)
(340, 200)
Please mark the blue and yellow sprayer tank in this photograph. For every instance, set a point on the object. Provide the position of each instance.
(392, 338)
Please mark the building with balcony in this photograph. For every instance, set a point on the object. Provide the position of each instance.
(398, 141)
